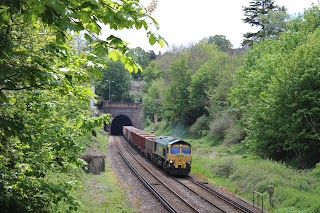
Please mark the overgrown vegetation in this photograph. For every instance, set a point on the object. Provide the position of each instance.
(98, 193)
(267, 97)
(277, 90)
(235, 169)
(267, 17)
(45, 88)
(253, 119)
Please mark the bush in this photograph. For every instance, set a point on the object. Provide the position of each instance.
(200, 127)
(316, 171)
(233, 135)
(224, 167)
(220, 124)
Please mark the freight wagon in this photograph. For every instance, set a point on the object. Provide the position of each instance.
(171, 154)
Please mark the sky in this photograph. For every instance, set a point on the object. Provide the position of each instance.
(184, 22)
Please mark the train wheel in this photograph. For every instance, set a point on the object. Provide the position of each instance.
(164, 166)
(154, 160)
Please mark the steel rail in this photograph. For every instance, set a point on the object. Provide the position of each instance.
(222, 197)
(163, 201)
(200, 195)
(166, 204)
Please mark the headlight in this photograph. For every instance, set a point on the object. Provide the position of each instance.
(188, 162)
(171, 161)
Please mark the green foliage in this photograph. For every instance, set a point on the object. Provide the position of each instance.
(223, 76)
(190, 81)
(44, 107)
(225, 126)
(141, 56)
(64, 16)
(45, 92)
(143, 59)
(151, 73)
(119, 79)
(220, 123)
(176, 93)
(211, 61)
(221, 41)
(277, 89)
(233, 135)
(200, 127)
(224, 168)
(97, 193)
(316, 170)
(294, 189)
(274, 22)
(136, 97)
(40, 139)
(151, 103)
(268, 17)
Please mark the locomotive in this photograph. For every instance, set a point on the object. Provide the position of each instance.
(171, 154)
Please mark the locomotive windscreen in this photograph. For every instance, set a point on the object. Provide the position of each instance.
(186, 150)
(175, 150)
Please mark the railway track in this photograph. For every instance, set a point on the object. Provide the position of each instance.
(154, 184)
(211, 194)
(178, 194)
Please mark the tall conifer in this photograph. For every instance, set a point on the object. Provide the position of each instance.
(254, 16)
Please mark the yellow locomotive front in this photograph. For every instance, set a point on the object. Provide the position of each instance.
(179, 158)
(174, 155)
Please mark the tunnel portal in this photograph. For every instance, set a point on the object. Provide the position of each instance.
(118, 123)
(123, 114)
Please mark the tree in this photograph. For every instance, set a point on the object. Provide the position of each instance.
(152, 55)
(277, 90)
(274, 22)
(189, 74)
(204, 77)
(221, 41)
(140, 56)
(45, 88)
(176, 93)
(267, 17)
(80, 43)
(63, 16)
(151, 73)
(120, 83)
(152, 101)
(44, 109)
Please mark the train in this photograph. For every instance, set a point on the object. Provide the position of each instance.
(173, 155)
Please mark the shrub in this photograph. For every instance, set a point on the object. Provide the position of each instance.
(316, 171)
(220, 124)
(233, 135)
(200, 127)
(224, 167)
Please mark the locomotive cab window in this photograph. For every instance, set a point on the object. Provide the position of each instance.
(186, 150)
(175, 150)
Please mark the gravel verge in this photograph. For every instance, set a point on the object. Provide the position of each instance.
(141, 199)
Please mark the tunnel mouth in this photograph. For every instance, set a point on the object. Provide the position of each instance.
(118, 123)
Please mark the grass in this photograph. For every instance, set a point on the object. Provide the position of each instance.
(295, 191)
(102, 193)
(98, 193)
